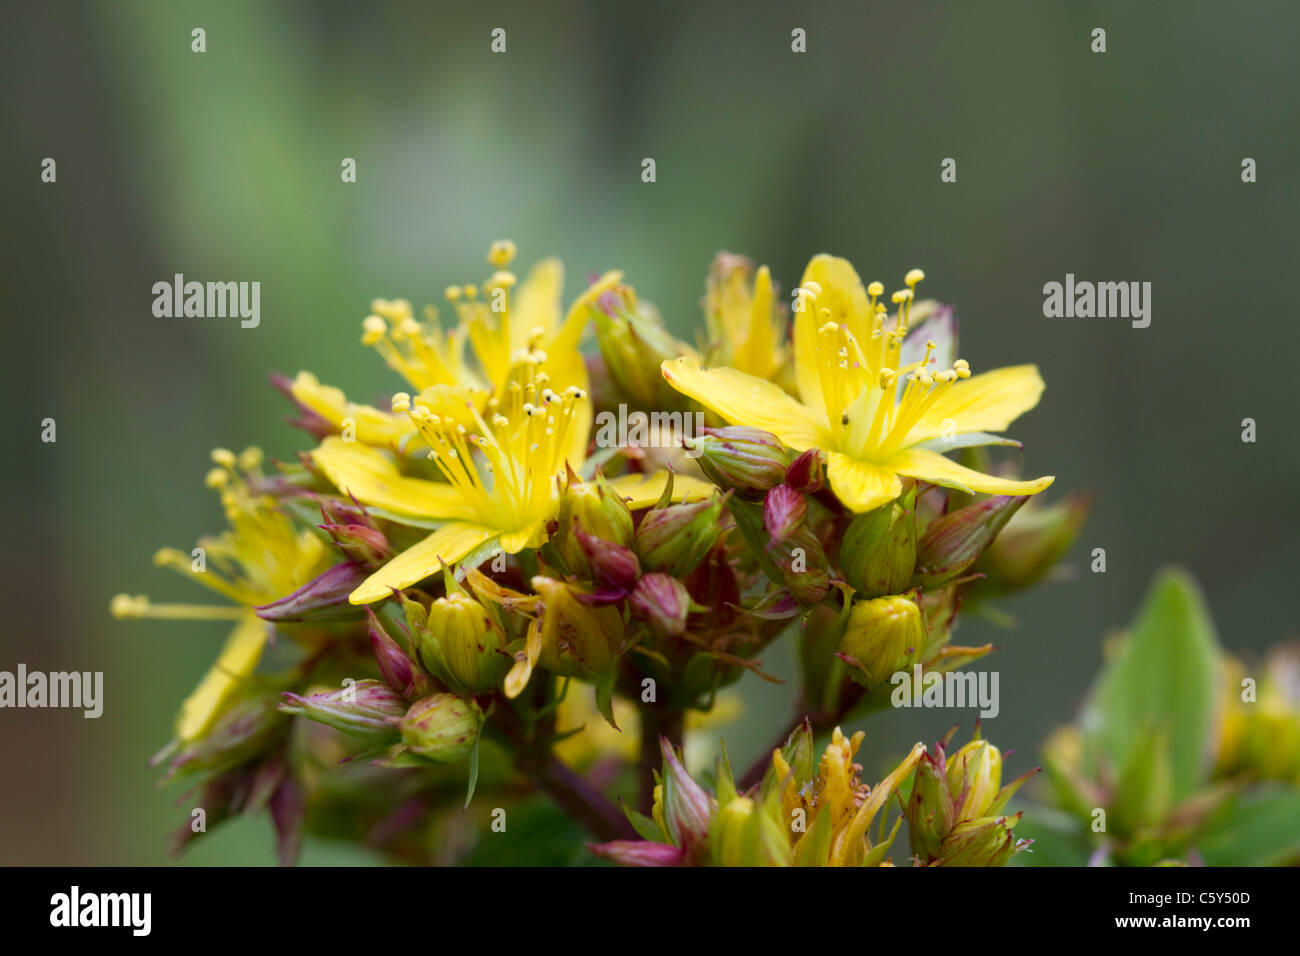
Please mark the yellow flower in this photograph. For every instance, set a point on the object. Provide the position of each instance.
(877, 419)
(744, 328)
(847, 805)
(502, 326)
(502, 476)
(260, 559)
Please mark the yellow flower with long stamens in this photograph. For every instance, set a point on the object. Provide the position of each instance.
(878, 420)
(260, 559)
(502, 474)
(500, 324)
(746, 331)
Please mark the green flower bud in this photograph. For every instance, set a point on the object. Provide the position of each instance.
(595, 508)
(462, 645)
(930, 810)
(687, 807)
(748, 461)
(805, 571)
(634, 344)
(675, 538)
(364, 708)
(662, 602)
(951, 544)
(883, 635)
(878, 553)
(745, 833)
(986, 841)
(1032, 542)
(974, 778)
(442, 728)
(1144, 792)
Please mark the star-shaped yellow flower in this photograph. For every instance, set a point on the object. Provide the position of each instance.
(502, 475)
(878, 420)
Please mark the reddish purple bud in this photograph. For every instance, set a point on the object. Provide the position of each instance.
(639, 853)
(365, 546)
(951, 544)
(325, 598)
(783, 511)
(805, 472)
(394, 663)
(662, 602)
(363, 708)
(611, 564)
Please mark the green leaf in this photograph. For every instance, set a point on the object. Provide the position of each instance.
(1163, 676)
(645, 827)
(473, 774)
(1263, 829)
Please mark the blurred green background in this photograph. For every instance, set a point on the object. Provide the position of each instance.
(225, 165)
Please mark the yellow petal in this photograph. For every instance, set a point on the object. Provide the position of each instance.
(988, 402)
(522, 670)
(861, 485)
(843, 294)
(537, 303)
(932, 467)
(531, 536)
(372, 426)
(373, 478)
(238, 659)
(448, 544)
(641, 491)
(745, 400)
(850, 846)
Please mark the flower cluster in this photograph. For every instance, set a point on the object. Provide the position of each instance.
(465, 591)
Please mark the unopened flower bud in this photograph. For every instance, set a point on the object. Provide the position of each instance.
(611, 564)
(687, 807)
(462, 644)
(883, 635)
(394, 663)
(985, 841)
(805, 571)
(595, 508)
(443, 728)
(324, 598)
(675, 538)
(784, 510)
(364, 708)
(930, 810)
(662, 602)
(878, 553)
(806, 473)
(745, 833)
(250, 727)
(951, 544)
(639, 853)
(975, 778)
(1032, 542)
(745, 460)
(634, 344)
(363, 545)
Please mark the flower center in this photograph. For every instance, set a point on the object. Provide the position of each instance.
(522, 438)
(871, 400)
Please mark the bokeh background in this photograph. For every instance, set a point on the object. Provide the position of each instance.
(225, 165)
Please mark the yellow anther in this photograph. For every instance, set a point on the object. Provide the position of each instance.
(876, 289)
(373, 328)
(250, 458)
(886, 377)
(961, 363)
(501, 253)
(401, 402)
(814, 289)
(913, 277)
(502, 280)
(216, 478)
(224, 457)
(829, 328)
(902, 295)
(452, 292)
(124, 605)
(962, 372)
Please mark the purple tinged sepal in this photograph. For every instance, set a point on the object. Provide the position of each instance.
(248, 728)
(806, 473)
(324, 598)
(931, 813)
(801, 561)
(982, 842)
(612, 565)
(675, 538)
(394, 663)
(687, 807)
(369, 709)
(784, 510)
(639, 853)
(662, 602)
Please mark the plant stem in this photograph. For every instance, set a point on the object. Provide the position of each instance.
(571, 792)
(820, 721)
